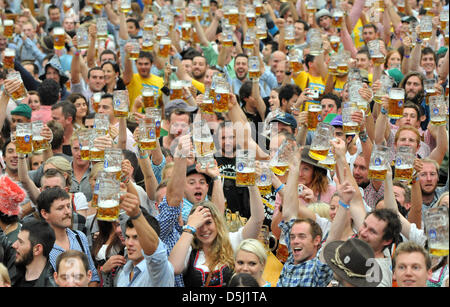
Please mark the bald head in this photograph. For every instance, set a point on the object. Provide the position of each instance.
(276, 57)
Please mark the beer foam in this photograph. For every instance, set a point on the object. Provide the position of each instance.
(109, 203)
(112, 169)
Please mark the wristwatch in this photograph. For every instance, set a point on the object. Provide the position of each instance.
(363, 136)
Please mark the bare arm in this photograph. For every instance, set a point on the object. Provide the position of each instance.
(28, 184)
(175, 187)
(415, 212)
(91, 49)
(438, 153)
(254, 223)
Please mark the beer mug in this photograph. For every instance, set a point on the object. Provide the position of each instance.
(279, 163)
(349, 127)
(311, 6)
(186, 31)
(84, 139)
(265, 236)
(258, 7)
(59, 38)
(386, 84)
(21, 93)
(335, 42)
(401, 6)
(101, 175)
(253, 67)
(96, 154)
(342, 62)
(446, 36)
(379, 162)
(162, 31)
(207, 105)
(289, 35)
(443, 18)
(96, 97)
(155, 115)
(379, 5)
(179, 5)
(245, 167)
(108, 200)
(404, 164)
(233, 15)
(436, 227)
(205, 6)
(102, 28)
(113, 162)
(101, 123)
(264, 178)
(427, 4)
(147, 97)
(192, 12)
(333, 64)
(438, 111)
(329, 162)
(147, 41)
(314, 115)
(375, 53)
(134, 53)
(250, 16)
(430, 90)
(40, 144)
(164, 47)
(227, 35)
(337, 17)
(83, 38)
(206, 161)
(396, 102)
(320, 145)
(426, 27)
(355, 97)
(203, 140)
(8, 28)
(249, 37)
(222, 97)
(147, 134)
(24, 138)
(148, 22)
(8, 58)
(176, 89)
(121, 103)
(315, 42)
(261, 28)
(125, 6)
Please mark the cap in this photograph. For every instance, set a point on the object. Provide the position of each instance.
(191, 169)
(178, 104)
(22, 110)
(334, 120)
(396, 74)
(286, 119)
(321, 13)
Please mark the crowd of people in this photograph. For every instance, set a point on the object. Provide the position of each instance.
(254, 175)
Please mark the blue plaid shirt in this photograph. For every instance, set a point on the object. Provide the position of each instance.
(311, 273)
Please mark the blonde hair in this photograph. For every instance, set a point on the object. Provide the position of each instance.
(255, 247)
(4, 275)
(62, 165)
(441, 198)
(166, 168)
(321, 208)
(410, 128)
(221, 249)
(95, 170)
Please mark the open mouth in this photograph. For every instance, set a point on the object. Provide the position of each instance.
(198, 195)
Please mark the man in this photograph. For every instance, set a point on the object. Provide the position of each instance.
(95, 83)
(53, 70)
(267, 52)
(315, 77)
(428, 178)
(147, 264)
(28, 257)
(58, 139)
(402, 193)
(106, 106)
(323, 19)
(21, 114)
(361, 171)
(285, 123)
(26, 45)
(428, 63)
(303, 267)
(133, 28)
(54, 14)
(288, 96)
(363, 60)
(280, 72)
(301, 27)
(275, 58)
(64, 112)
(55, 208)
(72, 269)
(413, 85)
(135, 82)
(81, 170)
(330, 103)
(369, 32)
(199, 66)
(411, 265)
(178, 120)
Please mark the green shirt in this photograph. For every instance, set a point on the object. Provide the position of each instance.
(211, 57)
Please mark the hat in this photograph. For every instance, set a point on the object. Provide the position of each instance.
(307, 159)
(334, 120)
(321, 13)
(191, 169)
(396, 74)
(56, 64)
(53, 25)
(408, 19)
(11, 195)
(178, 104)
(22, 110)
(286, 119)
(353, 261)
(442, 50)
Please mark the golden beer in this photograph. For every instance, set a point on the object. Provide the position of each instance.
(251, 21)
(221, 102)
(133, 55)
(40, 144)
(148, 99)
(351, 128)
(289, 41)
(427, 4)
(246, 177)
(158, 129)
(396, 107)
(439, 250)
(120, 113)
(282, 253)
(176, 93)
(147, 144)
(311, 10)
(377, 172)
(332, 70)
(248, 45)
(85, 154)
(314, 116)
(227, 43)
(261, 35)
(147, 46)
(429, 93)
(258, 10)
(94, 202)
(108, 210)
(96, 154)
(438, 121)
(403, 172)
(58, 38)
(254, 74)
(318, 153)
(443, 24)
(164, 47)
(265, 189)
(186, 34)
(329, 164)
(8, 28)
(204, 148)
(337, 20)
(342, 68)
(378, 60)
(233, 17)
(335, 46)
(425, 35)
(24, 144)
(8, 58)
(296, 66)
(116, 172)
(207, 106)
(280, 168)
(379, 4)
(19, 93)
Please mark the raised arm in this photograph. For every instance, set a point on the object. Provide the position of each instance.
(175, 187)
(415, 212)
(438, 153)
(254, 223)
(290, 198)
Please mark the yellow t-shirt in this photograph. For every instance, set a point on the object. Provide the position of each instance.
(357, 33)
(306, 80)
(199, 86)
(137, 83)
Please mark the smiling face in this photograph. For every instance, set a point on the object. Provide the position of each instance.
(196, 188)
(207, 233)
(428, 63)
(303, 245)
(81, 106)
(11, 158)
(428, 178)
(249, 263)
(372, 231)
(410, 270)
(241, 67)
(109, 73)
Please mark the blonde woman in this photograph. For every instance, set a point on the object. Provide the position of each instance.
(251, 258)
(204, 254)
(5, 281)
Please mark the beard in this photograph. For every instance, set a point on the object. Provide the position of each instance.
(26, 259)
(417, 99)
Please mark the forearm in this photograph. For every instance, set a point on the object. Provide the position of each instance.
(28, 184)
(290, 199)
(253, 226)
(90, 57)
(217, 197)
(443, 70)
(355, 13)
(148, 238)
(380, 129)
(112, 16)
(3, 105)
(415, 212)
(301, 135)
(75, 69)
(415, 57)
(149, 177)
(175, 192)
(441, 145)
(180, 251)
(123, 30)
(122, 141)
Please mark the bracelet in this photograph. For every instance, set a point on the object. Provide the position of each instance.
(189, 229)
(343, 205)
(279, 188)
(137, 216)
(407, 56)
(383, 111)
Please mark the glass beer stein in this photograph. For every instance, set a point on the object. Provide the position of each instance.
(404, 164)
(24, 138)
(108, 200)
(113, 162)
(320, 146)
(379, 162)
(245, 167)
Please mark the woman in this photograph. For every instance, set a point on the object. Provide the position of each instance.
(274, 101)
(251, 258)
(82, 107)
(112, 77)
(34, 100)
(205, 251)
(393, 60)
(36, 161)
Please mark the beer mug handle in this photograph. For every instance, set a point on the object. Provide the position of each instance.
(274, 247)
